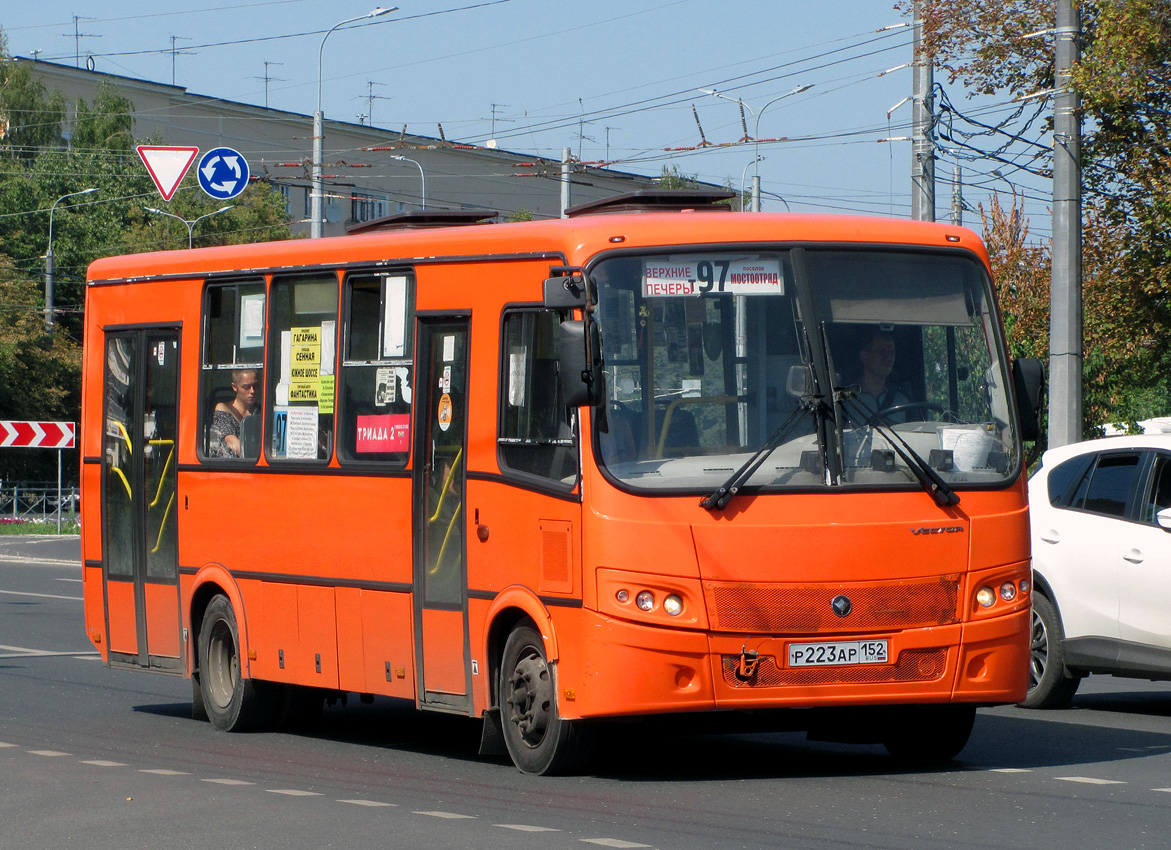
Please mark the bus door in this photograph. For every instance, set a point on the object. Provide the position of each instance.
(139, 510)
(440, 463)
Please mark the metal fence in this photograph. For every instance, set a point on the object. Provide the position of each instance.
(38, 501)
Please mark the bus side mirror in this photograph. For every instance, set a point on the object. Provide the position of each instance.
(579, 373)
(565, 293)
(1028, 382)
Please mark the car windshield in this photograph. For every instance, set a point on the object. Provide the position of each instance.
(709, 359)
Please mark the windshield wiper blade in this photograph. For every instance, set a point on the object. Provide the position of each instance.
(928, 478)
(718, 500)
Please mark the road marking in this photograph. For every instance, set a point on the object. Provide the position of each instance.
(1090, 780)
(613, 842)
(293, 792)
(367, 803)
(229, 781)
(43, 595)
(25, 652)
(1011, 770)
(524, 827)
(2, 744)
(1166, 790)
(48, 753)
(162, 771)
(448, 815)
(103, 763)
(43, 562)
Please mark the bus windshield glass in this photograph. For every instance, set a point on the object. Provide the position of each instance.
(849, 367)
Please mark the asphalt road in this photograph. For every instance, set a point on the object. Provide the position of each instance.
(99, 758)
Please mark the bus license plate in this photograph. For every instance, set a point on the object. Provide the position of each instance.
(838, 653)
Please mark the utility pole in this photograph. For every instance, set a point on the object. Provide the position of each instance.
(957, 195)
(565, 193)
(1065, 293)
(922, 135)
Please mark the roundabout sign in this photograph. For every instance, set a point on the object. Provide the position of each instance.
(223, 173)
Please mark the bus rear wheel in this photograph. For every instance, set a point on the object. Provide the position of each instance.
(538, 740)
(232, 703)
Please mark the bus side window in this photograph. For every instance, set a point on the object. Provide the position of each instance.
(376, 383)
(231, 368)
(302, 360)
(536, 434)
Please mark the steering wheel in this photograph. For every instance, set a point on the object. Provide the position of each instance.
(944, 414)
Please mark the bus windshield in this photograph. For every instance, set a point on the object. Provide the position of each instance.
(849, 366)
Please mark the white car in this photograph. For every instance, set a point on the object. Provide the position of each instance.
(1101, 534)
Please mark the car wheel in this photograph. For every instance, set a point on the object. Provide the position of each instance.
(538, 740)
(1049, 685)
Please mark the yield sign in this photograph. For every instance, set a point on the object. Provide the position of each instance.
(37, 435)
(167, 165)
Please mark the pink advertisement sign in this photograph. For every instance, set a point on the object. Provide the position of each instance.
(386, 432)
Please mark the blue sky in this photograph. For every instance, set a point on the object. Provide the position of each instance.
(613, 80)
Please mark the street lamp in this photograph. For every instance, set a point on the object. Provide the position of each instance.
(319, 128)
(422, 176)
(190, 224)
(756, 113)
(49, 258)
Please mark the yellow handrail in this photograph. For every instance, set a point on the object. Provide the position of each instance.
(163, 524)
(705, 399)
(446, 485)
(125, 436)
(166, 466)
(446, 537)
(125, 483)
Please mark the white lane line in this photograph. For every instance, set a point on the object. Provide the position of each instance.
(524, 827)
(293, 792)
(42, 562)
(42, 595)
(162, 771)
(26, 652)
(75, 580)
(229, 781)
(448, 815)
(1166, 790)
(613, 842)
(48, 753)
(104, 763)
(1011, 770)
(1090, 780)
(368, 803)
(2, 745)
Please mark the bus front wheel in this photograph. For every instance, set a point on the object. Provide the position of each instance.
(232, 703)
(538, 740)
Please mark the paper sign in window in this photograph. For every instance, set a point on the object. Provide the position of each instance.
(384, 432)
(394, 317)
(252, 321)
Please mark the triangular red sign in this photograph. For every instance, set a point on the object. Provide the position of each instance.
(168, 165)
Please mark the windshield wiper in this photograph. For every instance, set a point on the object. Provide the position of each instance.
(718, 500)
(929, 479)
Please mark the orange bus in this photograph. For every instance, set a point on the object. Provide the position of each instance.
(655, 457)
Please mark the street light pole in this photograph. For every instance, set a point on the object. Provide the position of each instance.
(422, 176)
(319, 128)
(49, 258)
(756, 113)
(190, 224)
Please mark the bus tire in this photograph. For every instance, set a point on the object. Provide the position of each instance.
(928, 734)
(233, 703)
(1050, 686)
(538, 740)
(198, 709)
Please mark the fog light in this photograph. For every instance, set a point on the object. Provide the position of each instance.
(622, 596)
(1025, 585)
(673, 605)
(1008, 591)
(986, 596)
(645, 600)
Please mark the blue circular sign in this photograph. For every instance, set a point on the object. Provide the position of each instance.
(223, 173)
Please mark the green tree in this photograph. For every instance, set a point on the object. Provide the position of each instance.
(1124, 80)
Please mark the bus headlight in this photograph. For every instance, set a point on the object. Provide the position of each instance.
(673, 605)
(645, 600)
(986, 596)
(1008, 591)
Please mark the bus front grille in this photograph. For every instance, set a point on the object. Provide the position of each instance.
(808, 608)
(914, 665)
